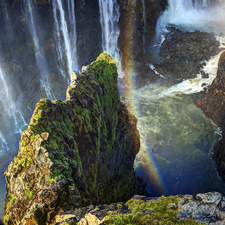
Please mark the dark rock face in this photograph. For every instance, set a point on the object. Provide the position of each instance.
(76, 152)
(132, 25)
(88, 30)
(183, 52)
(213, 105)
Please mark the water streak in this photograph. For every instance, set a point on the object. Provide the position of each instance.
(109, 18)
(65, 36)
(9, 107)
(144, 20)
(40, 56)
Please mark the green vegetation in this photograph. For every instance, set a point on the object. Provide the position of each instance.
(6, 218)
(29, 193)
(159, 216)
(72, 134)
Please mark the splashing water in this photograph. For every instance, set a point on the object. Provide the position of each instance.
(202, 15)
(65, 36)
(109, 18)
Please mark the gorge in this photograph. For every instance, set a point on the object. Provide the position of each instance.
(166, 57)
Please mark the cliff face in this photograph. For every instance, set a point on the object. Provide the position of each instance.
(213, 105)
(76, 152)
(88, 30)
(132, 24)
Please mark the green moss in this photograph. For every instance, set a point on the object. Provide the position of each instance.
(6, 218)
(29, 193)
(159, 216)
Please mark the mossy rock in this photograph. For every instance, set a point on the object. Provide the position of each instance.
(84, 146)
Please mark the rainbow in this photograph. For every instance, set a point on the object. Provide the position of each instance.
(144, 157)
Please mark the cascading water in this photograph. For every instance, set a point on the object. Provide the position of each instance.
(65, 36)
(144, 21)
(10, 106)
(201, 15)
(109, 18)
(40, 57)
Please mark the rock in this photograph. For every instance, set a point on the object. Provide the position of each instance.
(45, 136)
(171, 206)
(81, 152)
(148, 211)
(210, 198)
(96, 216)
(183, 53)
(213, 105)
(205, 208)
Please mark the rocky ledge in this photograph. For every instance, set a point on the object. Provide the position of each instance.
(76, 152)
(208, 208)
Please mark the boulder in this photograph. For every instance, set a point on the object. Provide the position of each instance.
(75, 152)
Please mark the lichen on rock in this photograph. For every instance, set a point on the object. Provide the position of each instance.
(74, 152)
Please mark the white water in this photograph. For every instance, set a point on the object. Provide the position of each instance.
(65, 35)
(5, 10)
(40, 57)
(10, 107)
(202, 15)
(144, 20)
(109, 18)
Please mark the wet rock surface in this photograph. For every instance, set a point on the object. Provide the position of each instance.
(182, 53)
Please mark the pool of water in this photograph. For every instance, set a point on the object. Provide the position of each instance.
(177, 142)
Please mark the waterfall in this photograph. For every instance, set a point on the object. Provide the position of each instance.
(10, 107)
(65, 36)
(40, 57)
(178, 7)
(190, 16)
(144, 20)
(109, 18)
